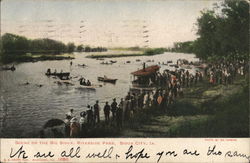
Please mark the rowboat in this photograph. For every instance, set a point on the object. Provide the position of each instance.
(103, 79)
(61, 75)
(66, 82)
(58, 74)
(106, 63)
(81, 65)
(91, 87)
(8, 68)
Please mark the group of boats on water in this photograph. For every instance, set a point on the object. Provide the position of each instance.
(64, 78)
(181, 63)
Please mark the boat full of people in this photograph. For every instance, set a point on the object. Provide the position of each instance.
(61, 75)
(86, 84)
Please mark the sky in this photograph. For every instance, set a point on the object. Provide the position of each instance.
(109, 23)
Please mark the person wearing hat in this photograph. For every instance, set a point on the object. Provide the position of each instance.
(114, 109)
(67, 126)
(82, 121)
(89, 115)
(96, 112)
(74, 128)
(119, 115)
(106, 112)
(70, 113)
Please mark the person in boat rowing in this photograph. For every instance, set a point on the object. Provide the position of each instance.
(83, 81)
(49, 71)
(12, 68)
(88, 83)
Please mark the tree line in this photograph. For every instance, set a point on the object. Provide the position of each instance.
(223, 32)
(15, 44)
(81, 48)
(14, 47)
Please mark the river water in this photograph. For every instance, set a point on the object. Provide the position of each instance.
(24, 109)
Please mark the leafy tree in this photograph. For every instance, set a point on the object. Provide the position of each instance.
(79, 48)
(71, 47)
(87, 49)
(223, 31)
(14, 44)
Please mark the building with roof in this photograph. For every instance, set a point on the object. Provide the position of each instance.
(145, 77)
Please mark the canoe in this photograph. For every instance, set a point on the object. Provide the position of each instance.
(106, 80)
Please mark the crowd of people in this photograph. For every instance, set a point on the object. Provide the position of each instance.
(91, 117)
(168, 86)
(225, 72)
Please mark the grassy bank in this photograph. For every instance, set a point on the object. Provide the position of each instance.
(204, 111)
(127, 53)
(115, 54)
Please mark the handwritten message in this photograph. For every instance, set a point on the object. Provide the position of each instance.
(124, 150)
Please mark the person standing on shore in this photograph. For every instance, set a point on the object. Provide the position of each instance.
(67, 126)
(114, 109)
(71, 113)
(82, 122)
(119, 117)
(96, 112)
(106, 112)
(74, 128)
(89, 115)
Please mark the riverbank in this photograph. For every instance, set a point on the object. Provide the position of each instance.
(204, 111)
(35, 58)
(114, 54)
(127, 53)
